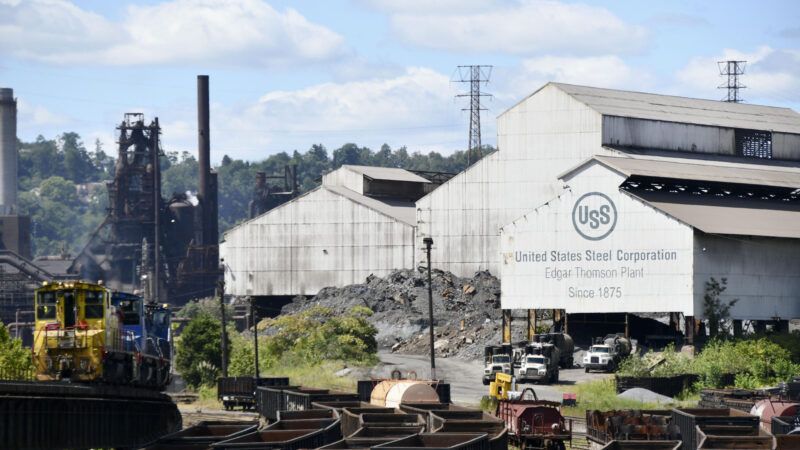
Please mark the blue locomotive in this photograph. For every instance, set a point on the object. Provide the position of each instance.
(147, 339)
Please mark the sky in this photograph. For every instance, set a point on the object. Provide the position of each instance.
(286, 74)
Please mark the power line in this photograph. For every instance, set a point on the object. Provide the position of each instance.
(474, 75)
(731, 69)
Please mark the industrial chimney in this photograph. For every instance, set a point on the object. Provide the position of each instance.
(8, 152)
(207, 180)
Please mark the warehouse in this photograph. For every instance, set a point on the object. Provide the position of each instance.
(359, 221)
(560, 126)
(645, 234)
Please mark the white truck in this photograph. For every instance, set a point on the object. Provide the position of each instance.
(606, 354)
(539, 363)
(497, 359)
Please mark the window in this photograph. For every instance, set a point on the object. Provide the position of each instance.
(46, 306)
(93, 305)
(130, 311)
(754, 143)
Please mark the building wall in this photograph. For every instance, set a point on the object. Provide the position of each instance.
(786, 146)
(654, 134)
(639, 261)
(345, 177)
(763, 273)
(538, 139)
(317, 240)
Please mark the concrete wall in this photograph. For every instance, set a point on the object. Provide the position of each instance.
(763, 273)
(538, 139)
(640, 260)
(319, 239)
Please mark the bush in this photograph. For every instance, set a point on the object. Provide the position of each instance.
(755, 362)
(317, 335)
(15, 360)
(199, 354)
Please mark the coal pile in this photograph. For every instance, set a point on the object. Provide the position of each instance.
(467, 313)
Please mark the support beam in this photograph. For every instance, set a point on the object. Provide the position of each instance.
(507, 317)
(737, 328)
(531, 325)
(690, 324)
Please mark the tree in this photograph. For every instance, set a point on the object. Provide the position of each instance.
(716, 311)
(15, 360)
(199, 355)
(78, 165)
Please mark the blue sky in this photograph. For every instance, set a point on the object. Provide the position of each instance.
(287, 74)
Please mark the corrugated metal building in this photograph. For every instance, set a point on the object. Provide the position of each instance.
(360, 221)
(560, 126)
(645, 234)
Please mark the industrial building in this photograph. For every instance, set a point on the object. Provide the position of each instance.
(558, 127)
(645, 234)
(359, 221)
(696, 189)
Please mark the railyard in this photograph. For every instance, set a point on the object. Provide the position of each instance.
(620, 271)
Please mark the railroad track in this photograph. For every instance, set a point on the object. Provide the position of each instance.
(53, 415)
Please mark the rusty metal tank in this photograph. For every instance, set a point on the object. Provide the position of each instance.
(392, 393)
(766, 409)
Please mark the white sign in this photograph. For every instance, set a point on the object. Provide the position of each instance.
(597, 251)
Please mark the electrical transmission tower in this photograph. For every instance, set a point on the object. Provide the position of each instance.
(474, 75)
(732, 69)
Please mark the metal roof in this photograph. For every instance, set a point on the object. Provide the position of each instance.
(744, 219)
(403, 211)
(387, 173)
(699, 170)
(668, 108)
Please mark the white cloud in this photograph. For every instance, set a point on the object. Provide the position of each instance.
(242, 32)
(523, 27)
(415, 108)
(599, 71)
(771, 76)
(29, 115)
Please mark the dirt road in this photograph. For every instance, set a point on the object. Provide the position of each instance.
(465, 376)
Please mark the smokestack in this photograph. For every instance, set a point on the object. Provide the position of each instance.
(8, 152)
(204, 150)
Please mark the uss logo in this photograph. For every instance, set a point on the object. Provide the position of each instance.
(594, 216)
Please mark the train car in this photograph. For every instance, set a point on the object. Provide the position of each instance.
(76, 328)
(83, 332)
(148, 339)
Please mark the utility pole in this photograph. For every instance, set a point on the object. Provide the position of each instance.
(474, 75)
(224, 337)
(731, 69)
(428, 243)
(254, 318)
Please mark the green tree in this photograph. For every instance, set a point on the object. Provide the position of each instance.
(78, 165)
(715, 310)
(198, 353)
(15, 360)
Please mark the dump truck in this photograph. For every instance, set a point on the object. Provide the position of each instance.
(564, 343)
(607, 352)
(539, 363)
(497, 359)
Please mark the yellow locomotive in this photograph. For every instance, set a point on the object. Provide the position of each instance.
(84, 332)
(76, 328)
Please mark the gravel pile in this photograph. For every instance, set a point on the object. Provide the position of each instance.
(467, 313)
(646, 396)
